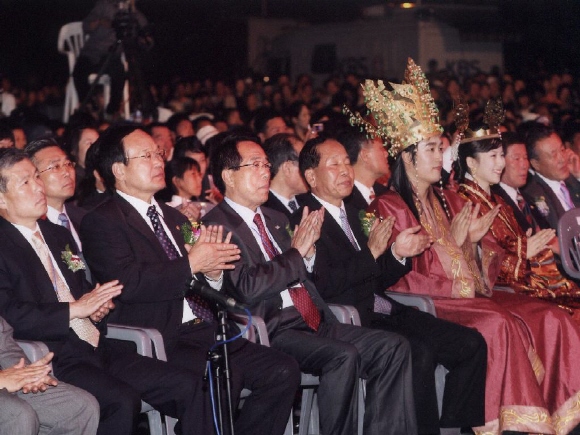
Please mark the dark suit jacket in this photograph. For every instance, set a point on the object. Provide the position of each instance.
(356, 200)
(28, 300)
(118, 244)
(344, 275)
(76, 214)
(275, 204)
(257, 282)
(537, 188)
(520, 217)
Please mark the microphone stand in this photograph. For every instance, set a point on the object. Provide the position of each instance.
(218, 355)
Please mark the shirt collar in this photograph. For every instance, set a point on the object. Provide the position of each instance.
(511, 191)
(554, 185)
(140, 205)
(52, 214)
(244, 212)
(332, 209)
(27, 232)
(364, 190)
(283, 200)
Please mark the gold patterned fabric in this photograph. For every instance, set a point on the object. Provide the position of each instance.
(538, 277)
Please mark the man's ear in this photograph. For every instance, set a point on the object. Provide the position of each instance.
(227, 176)
(2, 201)
(118, 170)
(310, 178)
(535, 163)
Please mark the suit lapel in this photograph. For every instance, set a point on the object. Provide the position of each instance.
(520, 217)
(135, 221)
(22, 250)
(554, 202)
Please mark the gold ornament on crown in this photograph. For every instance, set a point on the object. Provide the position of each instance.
(493, 116)
(404, 116)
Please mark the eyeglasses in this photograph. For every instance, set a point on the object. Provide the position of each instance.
(147, 155)
(255, 165)
(59, 166)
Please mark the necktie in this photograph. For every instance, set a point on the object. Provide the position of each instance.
(82, 327)
(371, 195)
(566, 195)
(63, 221)
(300, 297)
(292, 204)
(523, 206)
(198, 305)
(346, 228)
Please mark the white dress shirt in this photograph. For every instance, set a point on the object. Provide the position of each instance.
(364, 190)
(52, 215)
(555, 186)
(248, 217)
(141, 207)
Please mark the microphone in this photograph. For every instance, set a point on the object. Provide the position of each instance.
(198, 288)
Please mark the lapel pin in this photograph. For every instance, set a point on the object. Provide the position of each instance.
(176, 227)
(277, 227)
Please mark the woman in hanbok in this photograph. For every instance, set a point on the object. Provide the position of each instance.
(526, 391)
(528, 265)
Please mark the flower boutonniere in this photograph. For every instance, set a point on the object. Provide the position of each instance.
(289, 230)
(542, 206)
(366, 220)
(73, 261)
(190, 232)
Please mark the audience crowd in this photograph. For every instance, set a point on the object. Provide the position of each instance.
(289, 197)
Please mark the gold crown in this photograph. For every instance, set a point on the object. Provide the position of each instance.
(493, 116)
(404, 116)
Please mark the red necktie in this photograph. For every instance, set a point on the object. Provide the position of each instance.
(300, 297)
(523, 206)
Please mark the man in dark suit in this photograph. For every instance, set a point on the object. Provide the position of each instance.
(139, 241)
(273, 278)
(31, 399)
(355, 269)
(369, 160)
(44, 296)
(285, 179)
(551, 190)
(57, 172)
(513, 178)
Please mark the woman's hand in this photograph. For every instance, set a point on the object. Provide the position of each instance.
(538, 242)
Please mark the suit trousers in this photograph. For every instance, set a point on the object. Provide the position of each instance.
(459, 349)
(119, 378)
(60, 410)
(272, 376)
(341, 354)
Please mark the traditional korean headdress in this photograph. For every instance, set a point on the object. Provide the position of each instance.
(402, 117)
(494, 115)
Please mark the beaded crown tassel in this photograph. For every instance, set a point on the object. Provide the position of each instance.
(403, 116)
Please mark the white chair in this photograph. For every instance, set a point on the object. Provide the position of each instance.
(71, 39)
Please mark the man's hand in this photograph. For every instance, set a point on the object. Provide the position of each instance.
(460, 224)
(102, 311)
(212, 253)
(44, 383)
(89, 303)
(409, 243)
(191, 210)
(17, 377)
(379, 236)
(213, 195)
(308, 232)
(478, 227)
